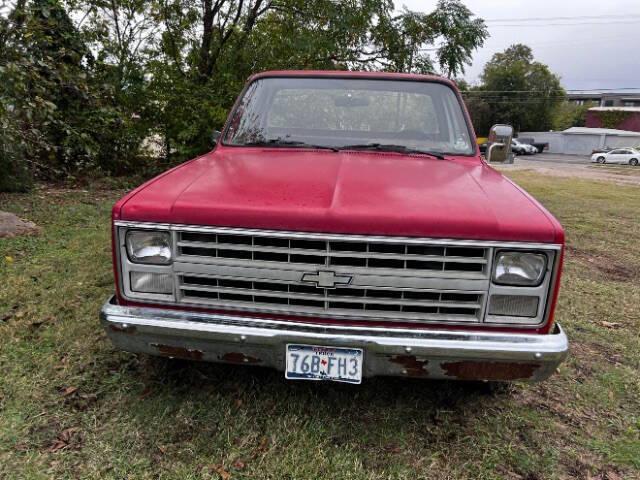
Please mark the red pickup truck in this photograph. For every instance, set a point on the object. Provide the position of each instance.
(344, 226)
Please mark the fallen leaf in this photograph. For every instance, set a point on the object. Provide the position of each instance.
(610, 324)
(64, 439)
(57, 445)
(8, 259)
(67, 434)
(69, 391)
(219, 469)
(393, 449)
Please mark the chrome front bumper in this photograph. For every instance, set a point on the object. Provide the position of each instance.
(460, 355)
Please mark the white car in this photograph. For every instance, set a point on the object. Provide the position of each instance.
(627, 156)
(520, 148)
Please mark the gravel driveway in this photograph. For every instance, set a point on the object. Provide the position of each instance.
(574, 166)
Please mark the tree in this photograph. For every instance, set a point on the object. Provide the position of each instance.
(481, 115)
(520, 90)
(85, 82)
(461, 35)
(44, 91)
(209, 48)
(15, 139)
(567, 115)
(121, 33)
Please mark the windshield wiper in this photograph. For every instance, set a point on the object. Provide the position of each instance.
(387, 147)
(278, 142)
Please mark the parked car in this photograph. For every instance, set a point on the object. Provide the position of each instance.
(522, 148)
(379, 244)
(540, 146)
(604, 149)
(627, 156)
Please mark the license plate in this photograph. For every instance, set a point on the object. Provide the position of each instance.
(312, 362)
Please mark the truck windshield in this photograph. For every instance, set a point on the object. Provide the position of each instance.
(347, 112)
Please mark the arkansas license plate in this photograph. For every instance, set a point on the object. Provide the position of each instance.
(312, 362)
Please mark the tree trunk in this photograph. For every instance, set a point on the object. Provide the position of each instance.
(205, 64)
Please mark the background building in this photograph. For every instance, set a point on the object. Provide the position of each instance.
(606, 99)
(583, 140)
(620, 118)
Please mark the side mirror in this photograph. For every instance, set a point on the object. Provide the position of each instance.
(499, 144)
(215, 136)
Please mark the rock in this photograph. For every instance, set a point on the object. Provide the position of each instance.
(12, 226)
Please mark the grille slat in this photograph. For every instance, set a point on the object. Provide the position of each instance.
(390, 280)
(361, 258)
(339, 254)
(472, 303)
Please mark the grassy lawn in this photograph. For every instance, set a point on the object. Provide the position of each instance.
(627, 170)
(73, 407)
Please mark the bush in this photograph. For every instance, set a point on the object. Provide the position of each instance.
(14, 176)
(83, 96)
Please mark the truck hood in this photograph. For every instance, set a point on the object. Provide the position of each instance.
(346, 192)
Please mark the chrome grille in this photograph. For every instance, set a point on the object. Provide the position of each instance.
(405, 280)
(369, 301)
(333, 253)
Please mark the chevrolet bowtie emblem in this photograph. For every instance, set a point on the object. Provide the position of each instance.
(326, 279)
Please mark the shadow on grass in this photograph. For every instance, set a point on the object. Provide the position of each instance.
(188, 375)
(228, 411)
(263, 393)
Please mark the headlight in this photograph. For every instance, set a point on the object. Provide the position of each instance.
(519, 268)
(149, 282)
(148, 246)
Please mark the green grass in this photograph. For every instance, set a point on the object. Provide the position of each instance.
(139, 417)
(618, 169)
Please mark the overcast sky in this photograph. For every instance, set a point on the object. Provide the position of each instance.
(603, 52)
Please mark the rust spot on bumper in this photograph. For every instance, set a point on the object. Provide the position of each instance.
(413, 366)
(239, 357)
(122, 328)
(178, 352)
(474, 370)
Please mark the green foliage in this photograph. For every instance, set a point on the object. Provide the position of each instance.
(480, 112)
(461, 35)
(86, 84)
(61, 108)
(612, 118)
(519, 91)
(567, 115)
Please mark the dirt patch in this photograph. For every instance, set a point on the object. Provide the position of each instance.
(13, 226)
(609, 267)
